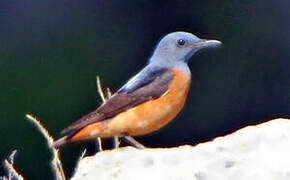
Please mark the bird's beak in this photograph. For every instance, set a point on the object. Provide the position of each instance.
(204, 43)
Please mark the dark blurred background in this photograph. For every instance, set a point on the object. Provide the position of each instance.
(51, 52)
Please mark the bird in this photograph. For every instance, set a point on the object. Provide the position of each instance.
(150, 99)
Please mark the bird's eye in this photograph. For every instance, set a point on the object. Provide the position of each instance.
(181, 42)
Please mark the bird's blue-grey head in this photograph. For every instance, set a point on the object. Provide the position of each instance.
(179, 47)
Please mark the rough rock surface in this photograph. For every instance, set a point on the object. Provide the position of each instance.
(255, 152)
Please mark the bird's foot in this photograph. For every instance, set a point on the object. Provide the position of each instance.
(133, 142)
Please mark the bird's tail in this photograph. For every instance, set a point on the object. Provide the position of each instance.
(60, 141)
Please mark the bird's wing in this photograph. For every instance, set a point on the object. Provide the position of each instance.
(141, 88)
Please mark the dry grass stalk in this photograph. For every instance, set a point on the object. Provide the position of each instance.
(101, 93)
(80, 158)
(12, 172)
(116, 138)
(104, 99)
(100, 89)
(56, 163)
(11, 160)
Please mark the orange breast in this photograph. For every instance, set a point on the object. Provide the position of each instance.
(144, 118)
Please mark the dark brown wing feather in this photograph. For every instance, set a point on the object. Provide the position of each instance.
(123, 100)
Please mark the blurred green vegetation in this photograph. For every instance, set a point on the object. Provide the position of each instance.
(51, 51)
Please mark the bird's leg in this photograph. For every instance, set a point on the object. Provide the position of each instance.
(99, 144)
(133, 142)
(116, 142)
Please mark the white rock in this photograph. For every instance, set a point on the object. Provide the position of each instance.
(259, 152)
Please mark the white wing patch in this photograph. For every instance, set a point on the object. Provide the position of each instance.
(131, 82)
